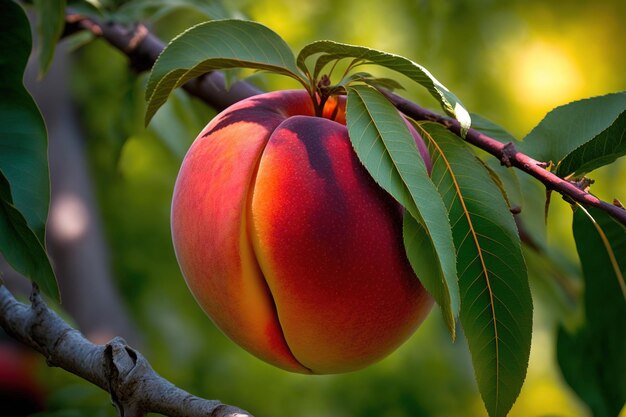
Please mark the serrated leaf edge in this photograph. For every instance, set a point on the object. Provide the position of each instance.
(450, 319)
(577, 172)
(152, 85)
(522, 146)
(480, 253)
(455, 109)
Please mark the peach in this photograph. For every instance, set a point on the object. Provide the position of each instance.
(286, 241)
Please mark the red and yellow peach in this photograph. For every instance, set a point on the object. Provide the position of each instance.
(286, 241)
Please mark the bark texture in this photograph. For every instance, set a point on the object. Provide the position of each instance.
(135, 388)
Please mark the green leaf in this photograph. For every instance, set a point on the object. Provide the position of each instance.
(367, 78)
(592, 358)
(387, 149)
(382, 82)
(51, 20)
(89, 8)
(584, 130)
(20, 247)
(78, 40)
(533, 209)
(603, 149)
(216, 45)
(334, 50)
(492, 129)
(554, 281)
(23, 138)
(154, 10)
(176, 124)
(507, 180)
(322, 61)
(496, 304)
(523, 192)
(420, 250)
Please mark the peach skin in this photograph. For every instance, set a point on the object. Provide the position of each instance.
(288, 244)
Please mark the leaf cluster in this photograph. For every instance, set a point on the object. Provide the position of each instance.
(459, 231)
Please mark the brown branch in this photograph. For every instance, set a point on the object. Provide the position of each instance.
(512, 157)
(143, 48)
(136, 389)
(211, 89)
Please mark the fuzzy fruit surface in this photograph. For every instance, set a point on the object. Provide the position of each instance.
(286, 241)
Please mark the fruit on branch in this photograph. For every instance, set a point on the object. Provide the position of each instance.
(286, 241)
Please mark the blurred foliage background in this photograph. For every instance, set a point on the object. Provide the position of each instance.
(510, 61)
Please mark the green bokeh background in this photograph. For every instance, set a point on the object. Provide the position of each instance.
(511, 61)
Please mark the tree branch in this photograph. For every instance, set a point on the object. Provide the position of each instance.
(510, 156)
(143, 48)
(134, 386)
(136, 389)
(211, 88)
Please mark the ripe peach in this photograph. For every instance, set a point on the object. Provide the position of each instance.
(286, 241)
